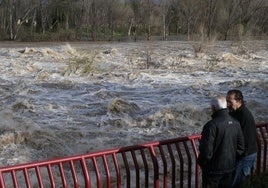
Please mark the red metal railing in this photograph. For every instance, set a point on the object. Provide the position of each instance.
(167, 163)
(261, 163)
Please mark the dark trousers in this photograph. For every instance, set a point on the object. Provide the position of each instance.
(210, 180)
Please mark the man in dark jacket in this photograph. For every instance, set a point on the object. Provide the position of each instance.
(238, 110)
(221, 143)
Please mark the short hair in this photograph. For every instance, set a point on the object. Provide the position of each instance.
(219, 103)
(238, 96)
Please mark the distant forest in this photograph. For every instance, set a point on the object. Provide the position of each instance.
(110, 20)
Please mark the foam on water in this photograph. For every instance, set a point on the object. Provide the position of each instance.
(67, 99)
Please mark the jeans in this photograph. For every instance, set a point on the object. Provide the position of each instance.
(243, 169)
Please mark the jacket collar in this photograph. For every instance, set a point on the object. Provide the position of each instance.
(219, 112)
(239, 110)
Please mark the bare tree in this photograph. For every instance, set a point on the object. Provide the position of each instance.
(248, 9)
(261, 21)
(228, 16)
(148, 6)
(164, 10)
(136, 21)
(20, 13)
(117, 15)
(105, 19)
(235, 13)
(173, 14)
(211, 8)
(11, 18)
(189, 11)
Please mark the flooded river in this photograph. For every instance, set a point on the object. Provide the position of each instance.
(62, 99)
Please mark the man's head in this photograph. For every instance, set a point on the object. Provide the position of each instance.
(218, 103)
(234, 99)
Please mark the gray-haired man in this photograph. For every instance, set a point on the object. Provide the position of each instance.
(221, 143)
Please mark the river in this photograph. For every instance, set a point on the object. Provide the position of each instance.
(62, 99)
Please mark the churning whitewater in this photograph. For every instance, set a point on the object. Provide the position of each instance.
(64, 99)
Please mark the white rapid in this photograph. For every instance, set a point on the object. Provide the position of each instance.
(59, 99)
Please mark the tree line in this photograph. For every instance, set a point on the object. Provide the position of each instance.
(43, 20)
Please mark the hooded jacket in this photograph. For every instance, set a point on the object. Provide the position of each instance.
(222, 142)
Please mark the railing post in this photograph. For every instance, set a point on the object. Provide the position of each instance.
(2, 183)
(156, 167)
(197, 168)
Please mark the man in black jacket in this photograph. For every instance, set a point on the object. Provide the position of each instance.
(238, 110)
(221, 143)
